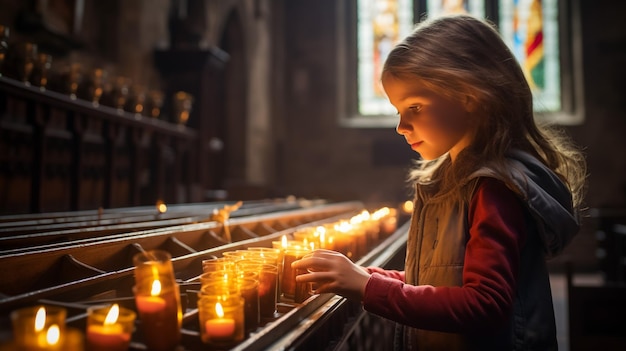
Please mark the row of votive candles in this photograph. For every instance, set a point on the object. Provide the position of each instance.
(110, 328)
(259, 277)
(352, 237)
(238, 291)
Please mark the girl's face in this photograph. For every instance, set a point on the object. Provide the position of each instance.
(432, 124)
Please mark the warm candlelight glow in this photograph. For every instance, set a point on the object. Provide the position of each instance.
(407, 206)
(284, 242)
(219, 310)
(109, 329)
(381, 213)
(53, 335)
(40, 319)
(161, 207)
(156, 288)
(220, 328)
(114, 312)
(322, 233)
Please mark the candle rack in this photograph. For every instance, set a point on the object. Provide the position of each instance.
(100, 272)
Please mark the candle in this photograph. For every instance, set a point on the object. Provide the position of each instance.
(249, 290)
(221, 319)
(111, 337)
(39, 328)
(150, 304)
(109, 328)
(220, 327)
(161, 318)
(288, 284)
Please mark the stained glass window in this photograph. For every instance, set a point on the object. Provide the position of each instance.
(448, 7)
(381, 24)
(529, 27)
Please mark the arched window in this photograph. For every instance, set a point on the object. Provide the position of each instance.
(542, 34)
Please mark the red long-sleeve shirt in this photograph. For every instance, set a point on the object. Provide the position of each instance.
(496, 236)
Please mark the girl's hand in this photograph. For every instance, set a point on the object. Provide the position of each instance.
(332, 272)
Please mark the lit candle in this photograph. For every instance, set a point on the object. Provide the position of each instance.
(220, 327)
(157, 299)
(221, 319)
(38, 328)
(152, 303)
(111, 333)
(53, 335)
(288, 284)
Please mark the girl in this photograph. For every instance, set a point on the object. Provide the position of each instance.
(496, 195)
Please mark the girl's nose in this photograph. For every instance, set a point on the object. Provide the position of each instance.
(402, 128)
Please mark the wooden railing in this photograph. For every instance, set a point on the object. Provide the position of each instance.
(60, 153)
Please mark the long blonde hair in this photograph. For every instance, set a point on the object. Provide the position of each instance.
(465, 58)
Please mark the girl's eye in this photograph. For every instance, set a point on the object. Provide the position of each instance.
(415, 108)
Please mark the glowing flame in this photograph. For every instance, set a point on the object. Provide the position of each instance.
(381, 213)
(407, 206)
(284, 242)
(219, 310)
(161, 207)
(156, 288)
(40, 319)
(53, 335)
(114, 312)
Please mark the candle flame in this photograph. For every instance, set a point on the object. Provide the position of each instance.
(219, 310)
(161, 207)
(407, 206)
(53, 335)
(284, 241)
(156, 288)
(40, 319)
(111, 317)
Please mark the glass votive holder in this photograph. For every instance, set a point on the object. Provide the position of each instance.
(109, 328)
(265, 250)
(308, 236)
(267, 275)
(220, 288)
(234, 255)
(268, 287)
(288, 283)
(39, 328)
(269, 255)
(221, 319)
(389, 221)
(74, 340)
(249, 290)
(160, 313)
(226, 276)
(154, 264)
(217, 264)
(302, 290)
(290, 244)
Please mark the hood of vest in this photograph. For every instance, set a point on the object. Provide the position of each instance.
(547, 197)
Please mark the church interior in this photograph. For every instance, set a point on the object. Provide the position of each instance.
(197, 128)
